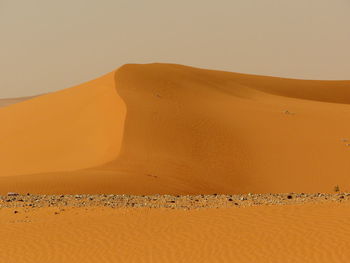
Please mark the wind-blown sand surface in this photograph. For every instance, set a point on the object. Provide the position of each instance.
(290, 233)
(164, 128)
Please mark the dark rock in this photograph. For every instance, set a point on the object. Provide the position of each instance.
(12, 194)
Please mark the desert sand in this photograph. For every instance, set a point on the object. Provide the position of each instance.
(289, 233)
(172, 129)
(154, 163)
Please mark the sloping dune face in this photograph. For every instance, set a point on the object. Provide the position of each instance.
(163, 128)
(72, 129)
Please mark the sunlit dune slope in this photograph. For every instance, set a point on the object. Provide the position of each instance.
(163, 128)
(72, 129)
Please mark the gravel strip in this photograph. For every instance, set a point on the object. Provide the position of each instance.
(13, 200)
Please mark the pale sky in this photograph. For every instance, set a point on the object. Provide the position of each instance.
(47, 45)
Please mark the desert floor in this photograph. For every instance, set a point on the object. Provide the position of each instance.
(315, 230)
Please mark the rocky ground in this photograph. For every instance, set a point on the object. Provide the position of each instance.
(13, 200)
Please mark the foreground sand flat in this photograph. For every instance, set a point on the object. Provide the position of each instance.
(289, 233)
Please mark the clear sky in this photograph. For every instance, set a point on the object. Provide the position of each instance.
(47, 45)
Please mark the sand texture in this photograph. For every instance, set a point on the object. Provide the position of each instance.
(290, 233)
(172, 129)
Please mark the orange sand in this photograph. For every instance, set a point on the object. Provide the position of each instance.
(163, 128)
(295, 233)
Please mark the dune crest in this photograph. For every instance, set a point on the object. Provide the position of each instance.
(165, 128)
(10, 101)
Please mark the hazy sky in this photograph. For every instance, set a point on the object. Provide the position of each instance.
(48, 45)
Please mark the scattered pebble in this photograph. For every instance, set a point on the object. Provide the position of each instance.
(288, 112)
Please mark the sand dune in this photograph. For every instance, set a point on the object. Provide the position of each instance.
(163, 128)
(7, 102)
(293, 233)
